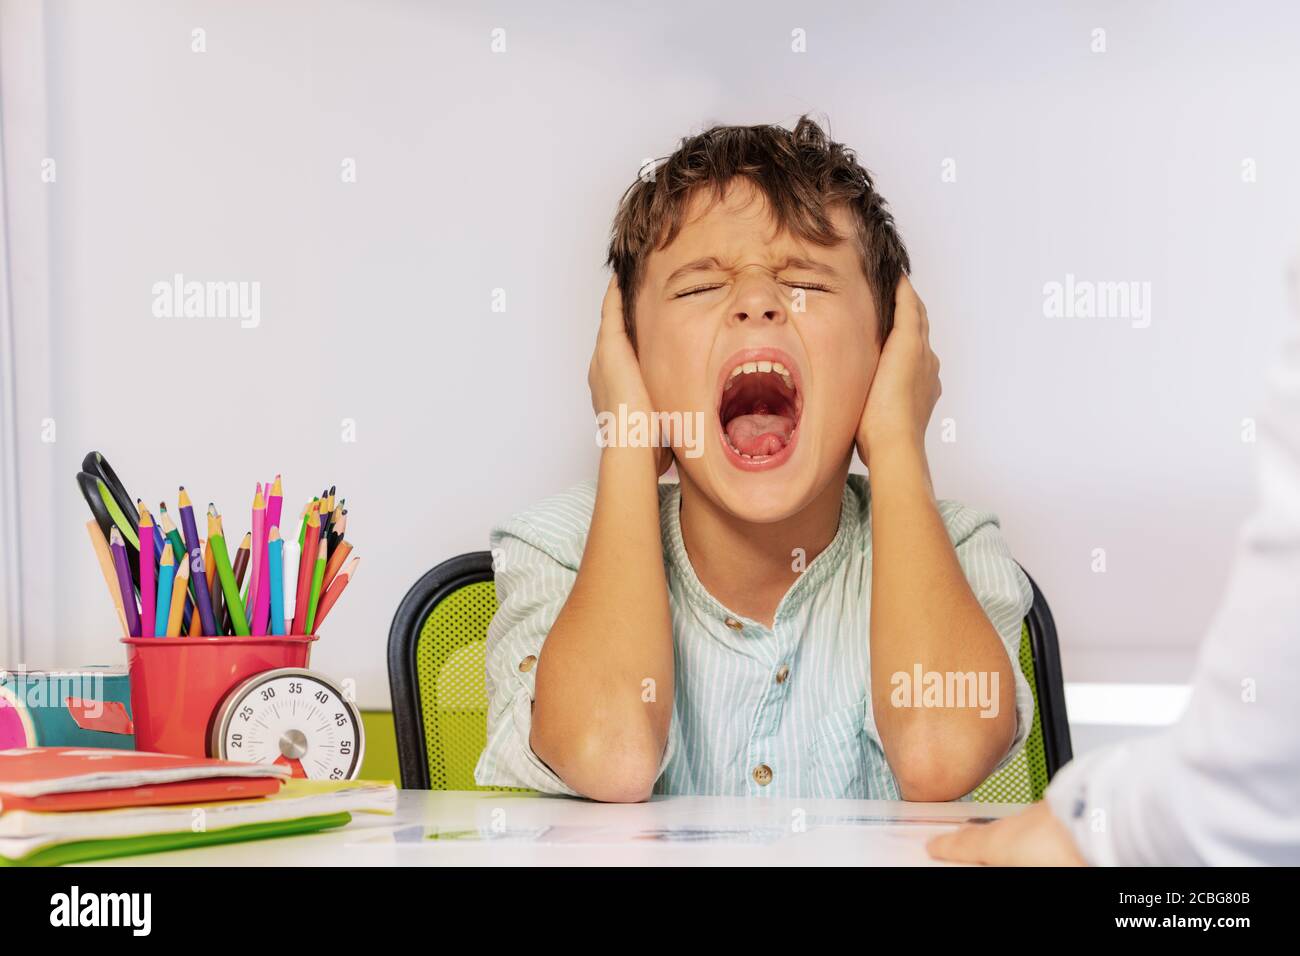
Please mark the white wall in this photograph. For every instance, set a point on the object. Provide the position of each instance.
(478, 171)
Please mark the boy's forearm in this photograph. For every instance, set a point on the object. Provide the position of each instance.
(596, 721)
(923, 612)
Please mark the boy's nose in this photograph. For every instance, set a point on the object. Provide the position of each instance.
(759, 298)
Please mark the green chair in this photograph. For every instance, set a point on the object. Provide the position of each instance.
(436, 665)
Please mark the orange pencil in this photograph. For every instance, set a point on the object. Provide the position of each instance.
(336, 561)
(106, 568)
(335, 589)
(179, 587)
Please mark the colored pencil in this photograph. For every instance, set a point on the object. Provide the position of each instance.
(313, 599)
(291, 554)
(338, 527)
(335, 589)
(166, 578)
(302, 527)
(119, 520)
(105, 559)
(173, 536)
(148, 578)
(275, 579)
(179, 587)
(327, 514)
(274, 510)
(275, 504)
(229, 587)
(118, 547)
(258, 568)
(201, 598)
(240, 564)
(158, 542)
(195, 626)
(305, 567)
(215, 590)
(336, 561)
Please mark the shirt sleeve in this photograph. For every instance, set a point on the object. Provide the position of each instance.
(532, 586)
(1221, 786)
(1003, 591)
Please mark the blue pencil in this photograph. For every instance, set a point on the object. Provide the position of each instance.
(166, 575)
(275, 572)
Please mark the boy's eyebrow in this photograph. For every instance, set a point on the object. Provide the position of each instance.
(706, 264)
(711, 264)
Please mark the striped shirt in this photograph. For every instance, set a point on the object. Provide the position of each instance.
(781, 711)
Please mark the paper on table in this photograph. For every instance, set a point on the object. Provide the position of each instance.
(581, 835)
(884, 820)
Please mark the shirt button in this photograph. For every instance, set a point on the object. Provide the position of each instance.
(782, 673)
(527, 663)
(762, 775)
(734, 624)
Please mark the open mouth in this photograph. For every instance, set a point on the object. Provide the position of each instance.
(759, 407)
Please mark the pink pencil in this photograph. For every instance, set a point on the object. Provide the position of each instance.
(257, 564)
(262, 607)
(274, 504)
(147, 593)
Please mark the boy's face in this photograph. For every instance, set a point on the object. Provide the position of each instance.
(798, 322)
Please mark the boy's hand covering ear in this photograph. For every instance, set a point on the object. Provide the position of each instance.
(614, 375)
(1033, 837)
(906, 386)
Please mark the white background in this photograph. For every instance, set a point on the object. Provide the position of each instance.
(479, 171)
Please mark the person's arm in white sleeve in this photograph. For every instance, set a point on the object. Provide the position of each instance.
(1221, 786)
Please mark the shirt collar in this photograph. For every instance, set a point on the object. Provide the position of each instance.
(852, 508)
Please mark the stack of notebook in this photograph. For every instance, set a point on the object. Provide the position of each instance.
(67, 804)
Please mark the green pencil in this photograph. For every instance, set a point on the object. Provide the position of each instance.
(317, 576)
(302, 528)
(217, 542)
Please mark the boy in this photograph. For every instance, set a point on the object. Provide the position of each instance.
(757, 628)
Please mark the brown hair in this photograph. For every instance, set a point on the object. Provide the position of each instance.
(801, 172)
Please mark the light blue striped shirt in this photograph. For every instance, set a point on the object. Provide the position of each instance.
(792, 702)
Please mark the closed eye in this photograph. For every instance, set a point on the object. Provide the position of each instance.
(808, 286)
(698, 289)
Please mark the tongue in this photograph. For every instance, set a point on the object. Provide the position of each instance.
(760, 434)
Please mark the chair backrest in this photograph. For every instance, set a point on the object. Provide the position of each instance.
(436, 664)
(1047, 748)
(435, 672)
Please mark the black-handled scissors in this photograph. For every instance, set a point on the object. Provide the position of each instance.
(108, 515)
(113, 507)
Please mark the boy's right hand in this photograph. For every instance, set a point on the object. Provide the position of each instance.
(614, 375)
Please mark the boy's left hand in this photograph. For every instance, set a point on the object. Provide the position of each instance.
(1033, 837)
(906, 385)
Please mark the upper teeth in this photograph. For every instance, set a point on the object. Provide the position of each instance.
(748, 368)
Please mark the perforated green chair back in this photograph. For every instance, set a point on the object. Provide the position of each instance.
(436, 663)
(1024, 779)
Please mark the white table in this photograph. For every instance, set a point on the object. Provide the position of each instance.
(576, 832)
